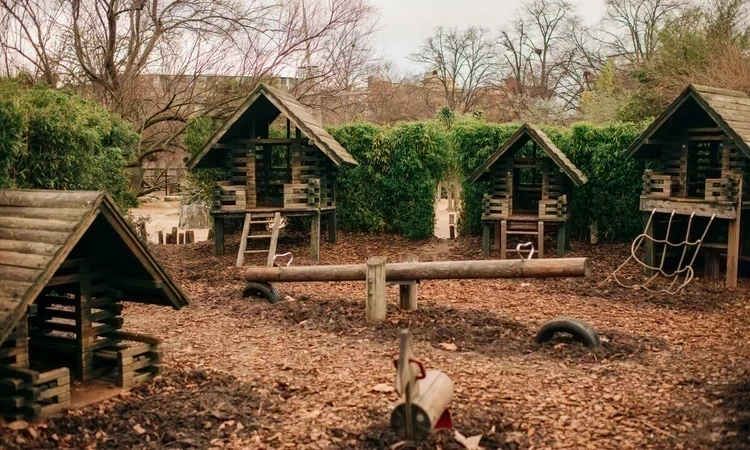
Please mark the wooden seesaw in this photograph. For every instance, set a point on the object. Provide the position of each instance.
(407, 274)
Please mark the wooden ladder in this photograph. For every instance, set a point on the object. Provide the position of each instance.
(508, 227)
(246, 236)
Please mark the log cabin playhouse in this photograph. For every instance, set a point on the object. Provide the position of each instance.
(530, 181)
(68, 261)
(699, 146)
(267, 178)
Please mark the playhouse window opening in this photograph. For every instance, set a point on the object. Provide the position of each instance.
(528, 190)
(703, 161)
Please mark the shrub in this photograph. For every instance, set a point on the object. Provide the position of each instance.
(64, 142)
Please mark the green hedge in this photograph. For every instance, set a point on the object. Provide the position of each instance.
(393, 188)
(611, 196)
(52, 139)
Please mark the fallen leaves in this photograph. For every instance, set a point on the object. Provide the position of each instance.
(383, 387)
(451, 347)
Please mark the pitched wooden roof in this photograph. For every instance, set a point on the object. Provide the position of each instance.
(522, 136)
(730, 110)
(298, 114)
(38, 231)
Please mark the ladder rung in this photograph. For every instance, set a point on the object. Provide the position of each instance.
(259, 236)
(522, 232)
(256, 251)
(253, 222)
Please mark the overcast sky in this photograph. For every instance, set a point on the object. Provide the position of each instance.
(404, 24)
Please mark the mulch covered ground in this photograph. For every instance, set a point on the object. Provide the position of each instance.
(674, 371)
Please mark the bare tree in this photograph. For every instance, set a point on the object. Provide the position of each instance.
(630, 28)
(464, 62)
(159, 62)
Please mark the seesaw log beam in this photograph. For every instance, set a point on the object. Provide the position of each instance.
(435, 270)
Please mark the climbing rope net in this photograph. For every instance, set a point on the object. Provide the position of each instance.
(683, 273)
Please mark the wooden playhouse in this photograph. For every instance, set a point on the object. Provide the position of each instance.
(267, 178)
(68, 262)
(530, 184)
(700, 152)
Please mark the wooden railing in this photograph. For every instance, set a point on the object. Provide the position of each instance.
(228, 198)
(723, 189)
(657, 185)
(302, 195)
(496, 208)
(554, 208)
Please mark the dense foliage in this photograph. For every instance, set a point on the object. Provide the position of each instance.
(52, 139)
(393, 188)
(610, 198)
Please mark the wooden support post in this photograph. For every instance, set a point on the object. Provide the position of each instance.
(84, 340)
(733, 250)
(218, 236)
(567, 237)
(435, 393)
(161, 237)
(503, 239)
(486, 239)
(181, 238)
(190, 237)
(561, 239)
(315, 237)
(648, 245)
(375, 302)
(540, 239)
(408, 292)
(496, 237)
(332, 227)
(452, 226)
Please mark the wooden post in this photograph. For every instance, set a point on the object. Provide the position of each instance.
(210, 236)
(190, 237)
(452, 226)
(315, 237)
(375, 302)
(561, 238)
(435, 393)
(161, 237)
(486, 239)
(181, 238)
(540, 239)
(332, 227)
(733, 249)
(496, 239)
(648, 245)
(243, 240)
(218, 236)
(567, 236)
(408, 292)
(84, 340)
(503, 239)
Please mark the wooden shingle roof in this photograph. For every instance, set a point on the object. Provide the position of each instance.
(40, 228)
(522, 136)
(298, 114)
(730, 110)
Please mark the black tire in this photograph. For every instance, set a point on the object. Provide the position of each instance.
(581, 331)
(266, 290)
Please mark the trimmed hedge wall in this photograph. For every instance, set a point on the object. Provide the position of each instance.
(393, 188)
(611, 196)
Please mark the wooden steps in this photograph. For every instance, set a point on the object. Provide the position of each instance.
(250, 220)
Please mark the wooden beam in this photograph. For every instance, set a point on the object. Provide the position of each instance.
(433, 270)
(435, 393)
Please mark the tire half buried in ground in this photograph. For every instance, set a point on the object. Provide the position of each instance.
(266, 290)
(580, 330)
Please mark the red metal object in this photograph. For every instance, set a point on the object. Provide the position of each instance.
(420, 364)
(445, 421)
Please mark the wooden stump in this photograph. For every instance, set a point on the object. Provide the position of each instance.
(161, 237)
(181, 238)
(190, 237)
(408, 292)
(375, 302)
